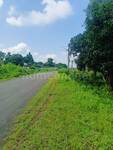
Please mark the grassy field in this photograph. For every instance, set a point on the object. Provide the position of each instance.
(65, 115)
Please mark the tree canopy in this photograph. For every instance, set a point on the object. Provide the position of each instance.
(28, 59)
(95, 45)
(2, 57)
(50, 63)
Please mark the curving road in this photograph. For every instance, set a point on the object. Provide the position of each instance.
(14, 95)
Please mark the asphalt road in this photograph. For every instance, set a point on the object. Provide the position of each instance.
(14, 95)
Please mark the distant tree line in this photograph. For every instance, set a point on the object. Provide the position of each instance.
(27, 61)
(94, 48)
(50, 63)
(16, 59)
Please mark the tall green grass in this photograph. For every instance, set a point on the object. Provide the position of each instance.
(66, 115)
(10, 70)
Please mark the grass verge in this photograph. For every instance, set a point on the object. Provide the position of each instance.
(10, 71)
(65, 115)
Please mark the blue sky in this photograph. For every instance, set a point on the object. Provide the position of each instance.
(43, 27)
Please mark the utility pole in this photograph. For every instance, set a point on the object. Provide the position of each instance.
(72, 63)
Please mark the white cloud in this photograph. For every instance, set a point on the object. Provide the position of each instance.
(52, 11)
(60, 57)
(21, 48)
(1, 2)
(43, 57)
(12, 10)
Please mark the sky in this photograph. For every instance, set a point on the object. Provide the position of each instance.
(42, 27)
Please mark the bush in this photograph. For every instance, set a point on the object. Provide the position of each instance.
(11, 70)
(87, 77)
(63, 70)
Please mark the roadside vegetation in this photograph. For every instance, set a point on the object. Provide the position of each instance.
(93, 49)
(15, 65)
(65, 115)
(88, 78)
(9, 71)
(75, 109)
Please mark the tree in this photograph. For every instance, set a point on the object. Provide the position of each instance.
(78, 46)
(50, 63)
(16, 59)
(99, 25)
(28, 59)
(75, 45)
(8, 58)
(95, 45)
(2, 57)
(39, 65)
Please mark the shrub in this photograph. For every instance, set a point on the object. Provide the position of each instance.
(11, 70)
(63, 70)
(87, 77)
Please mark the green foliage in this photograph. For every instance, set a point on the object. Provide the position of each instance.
(38, 65)
(10, 70)
(75, 46)
(50, 63)
(2, 57)
(28, 59)
(78, 46)
(61, 66)
(63, 71)
(88, 77)
(95, 46)
(71, 117)
(16, 59)
(100, 26)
